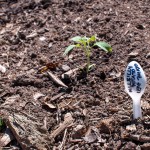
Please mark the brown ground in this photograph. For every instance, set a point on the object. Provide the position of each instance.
(98, 104)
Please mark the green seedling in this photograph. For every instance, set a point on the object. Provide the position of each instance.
(86, 44)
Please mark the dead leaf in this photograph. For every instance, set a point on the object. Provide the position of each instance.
(48, 66)
(56, 80)
(106, 125)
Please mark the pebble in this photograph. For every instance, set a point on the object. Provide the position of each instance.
(65, 67)
(42, 38)
(2, 69)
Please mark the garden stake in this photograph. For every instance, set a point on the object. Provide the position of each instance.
(135, 83)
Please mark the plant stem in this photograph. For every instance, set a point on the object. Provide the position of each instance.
(88, 57)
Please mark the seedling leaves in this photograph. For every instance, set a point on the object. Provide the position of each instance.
(68, 49)
(76, 38)
(92, 39)
(104, 46)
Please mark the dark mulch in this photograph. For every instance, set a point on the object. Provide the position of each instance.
(36, 32)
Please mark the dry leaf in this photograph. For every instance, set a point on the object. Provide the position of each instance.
(48, 66)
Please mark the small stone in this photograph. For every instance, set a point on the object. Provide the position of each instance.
(65, 67)
(50, 45)
(42, 38)
(131, 127)
(2, 69)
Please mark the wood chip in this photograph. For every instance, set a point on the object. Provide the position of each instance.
(6, 138)
(133, 54)
(37, 95)
(68, 120)
(11, 100)
(131, 127)
(69, 73)
(20, 126)
(32, 35)
(49, 105)
(93, 135)
(56, 79)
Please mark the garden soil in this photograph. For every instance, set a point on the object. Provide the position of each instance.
(45, 108)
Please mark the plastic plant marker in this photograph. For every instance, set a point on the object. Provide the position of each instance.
(135, 83)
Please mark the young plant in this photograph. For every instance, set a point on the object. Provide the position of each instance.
(86, 44)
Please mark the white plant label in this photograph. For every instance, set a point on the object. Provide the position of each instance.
(135, 83)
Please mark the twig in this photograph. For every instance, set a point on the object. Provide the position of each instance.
(63, 141)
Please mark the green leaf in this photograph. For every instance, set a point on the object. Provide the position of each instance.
(85, 38)
(104, 46)
(78, 45)
(92, 39)
(76, 38)
(68, 49)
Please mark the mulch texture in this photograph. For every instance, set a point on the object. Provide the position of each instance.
(34, 33)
